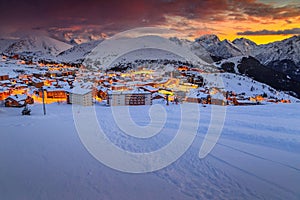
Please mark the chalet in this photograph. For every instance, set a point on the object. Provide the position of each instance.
(182, 68)
(118, 87)
(4, 77)
(158, 96)
(80, 96)
(129, 97)
(54, 73)
(20, 89)
(68, 73)
(38, 75)
(198, 98)
(38, 83)
(149, 88)
(244, 101)
(18, 101)
(102, 92)
(5, 83)
(217, 99)
(54, 93)
(4, 93)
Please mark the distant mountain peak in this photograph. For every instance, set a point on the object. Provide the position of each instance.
(244, 41)
(208, 37)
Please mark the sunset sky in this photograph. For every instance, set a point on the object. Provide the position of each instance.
(262, 21)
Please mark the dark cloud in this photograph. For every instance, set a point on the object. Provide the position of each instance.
(288, 21)
(294, 31)
(116, 15)
(259, 9)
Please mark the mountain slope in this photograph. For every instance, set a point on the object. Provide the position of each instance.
(218, 49)
(5, 43)
(251, 67)
(77, 53)
(111, 50)
(41, 46)
(286, 49)
(245, 46)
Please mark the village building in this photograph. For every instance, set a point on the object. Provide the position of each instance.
(149, 88)
(19, 89)
(130, 97)
(38, 83)
(101, 93)
(157, 95)
(118, 86)
(80, 96)
(4, 93)
(200, 97)
(5, 83)
(217, 99)
(4, 77)
(54, 93)
(18, 100)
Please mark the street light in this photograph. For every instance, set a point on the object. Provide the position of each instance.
(43, 96)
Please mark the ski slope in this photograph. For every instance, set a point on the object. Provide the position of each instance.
(257, 156)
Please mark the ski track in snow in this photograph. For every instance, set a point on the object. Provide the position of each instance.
(257, 157)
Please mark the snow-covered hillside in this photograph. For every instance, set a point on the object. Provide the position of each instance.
(77, 53)
(110, 50)
(5, 43)
(243, 84)
(42, 46)
(285, 49)
(257, 156)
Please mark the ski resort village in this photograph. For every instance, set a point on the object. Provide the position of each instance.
(25, 82)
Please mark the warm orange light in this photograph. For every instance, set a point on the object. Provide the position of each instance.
(38, 99)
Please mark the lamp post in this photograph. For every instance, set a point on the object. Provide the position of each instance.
(167, 96)
(43, 96)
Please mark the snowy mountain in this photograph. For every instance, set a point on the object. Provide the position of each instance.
(282, 56)
(243, 84)
(129, 49)
(251, 67)
(196, 48)
(286, 49)
(246, 46)
(5, 43)
(218, 49)
(37, 46)
(77, 53)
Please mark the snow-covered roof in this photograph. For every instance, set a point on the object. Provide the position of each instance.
(80, 91)
(158, 94)
(51, 88)
(104, 89)
(5, 82)
(36, 80)
(3, 74)
(218, 96)
(20, 85)
(149, 88)
(3, 89)
(18, 97)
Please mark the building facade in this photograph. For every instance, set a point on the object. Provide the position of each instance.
(129, 98)
(81, 96)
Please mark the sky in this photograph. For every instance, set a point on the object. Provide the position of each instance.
(262, 21)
